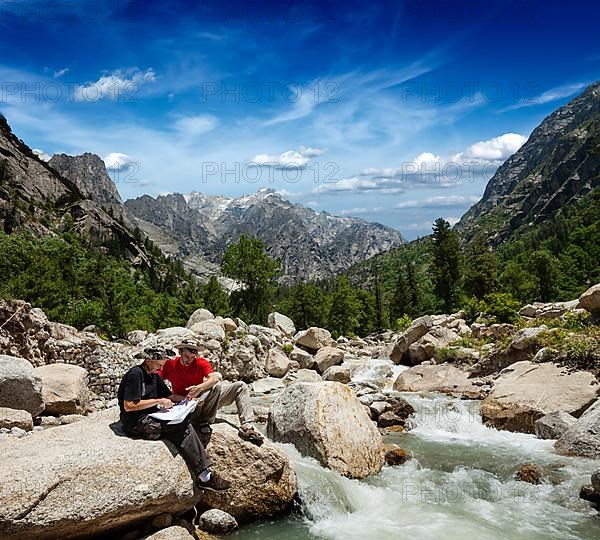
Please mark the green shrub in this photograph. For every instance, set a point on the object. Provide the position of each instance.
(287, 348)
(403, 322)
(583, 351)
(502, 306)
(496, 307)
(471, 308)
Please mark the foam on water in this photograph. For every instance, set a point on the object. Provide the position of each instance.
(460, 484)
(485, 501)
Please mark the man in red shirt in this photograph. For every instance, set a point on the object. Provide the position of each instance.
(192, 377)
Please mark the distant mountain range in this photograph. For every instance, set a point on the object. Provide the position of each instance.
(311, 245)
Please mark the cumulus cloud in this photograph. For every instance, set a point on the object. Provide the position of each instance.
(493, 150)
(192, 126)
(116, 161)
(121, 84)
(294, 159)
(430, 170)
(435, 202)
(41, 154)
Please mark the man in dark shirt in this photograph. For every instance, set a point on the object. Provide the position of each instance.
(143, 392)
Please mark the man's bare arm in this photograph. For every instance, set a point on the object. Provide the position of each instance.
(132, 406)
(209, 381)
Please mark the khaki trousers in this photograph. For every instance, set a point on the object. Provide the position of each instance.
(239, 393)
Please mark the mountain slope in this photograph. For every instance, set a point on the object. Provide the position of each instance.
(198, 228)
(557, 166)
(37, 198)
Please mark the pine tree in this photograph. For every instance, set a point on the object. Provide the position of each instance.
(216, 300)
(248, 263)
(344, 310)
(415, 298)
(380, 318)
(400, 301)
(481, 274)
(446, 265)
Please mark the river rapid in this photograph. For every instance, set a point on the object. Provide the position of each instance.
(460, 484)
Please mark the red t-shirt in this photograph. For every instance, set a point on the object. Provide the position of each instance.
(183, 376)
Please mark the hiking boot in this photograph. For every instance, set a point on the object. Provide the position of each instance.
(216, 483)
(250, 434)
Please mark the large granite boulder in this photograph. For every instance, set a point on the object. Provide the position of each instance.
(553, 425)
(413, 333)
(199, 316)
(87, 479)
(428, 345)
(305, 360)
(277, 364)
(84, 478)
(263, 481)
(313, 338)
(443, 378)
(526, 391)
(64, 388)
(209, 329)
(11, 418)
(337, 374)
(282, 323)
(327, 357)
(326, 421)
(527, 338)
(590, 299)
(242, 362)
(583, 437)
(174, 532)
(20, 387)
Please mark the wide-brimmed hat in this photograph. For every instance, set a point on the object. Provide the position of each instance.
(188, 343)
(154, 352)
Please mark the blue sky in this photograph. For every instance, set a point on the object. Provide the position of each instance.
(394, 112)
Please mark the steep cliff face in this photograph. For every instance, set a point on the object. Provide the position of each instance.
(35, 196)
(88, 173)
(558, 165)
(310, 245)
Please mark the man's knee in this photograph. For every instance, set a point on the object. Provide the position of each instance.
(240, 387)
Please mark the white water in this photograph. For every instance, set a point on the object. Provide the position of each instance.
(460, 484)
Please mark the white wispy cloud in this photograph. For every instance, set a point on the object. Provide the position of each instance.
(360, 210)
(192, 126)
(558, 92)
(348, 184)
(59, 73)
(426, 226)
(435, 202)
(121, 84)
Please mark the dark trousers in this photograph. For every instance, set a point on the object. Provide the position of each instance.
(182, 435)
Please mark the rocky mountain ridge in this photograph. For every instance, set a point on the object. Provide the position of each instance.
(558, 165)
(199, 227)
(36, 196)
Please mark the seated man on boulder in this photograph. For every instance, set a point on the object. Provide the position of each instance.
(191, 375)
(142, 392)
